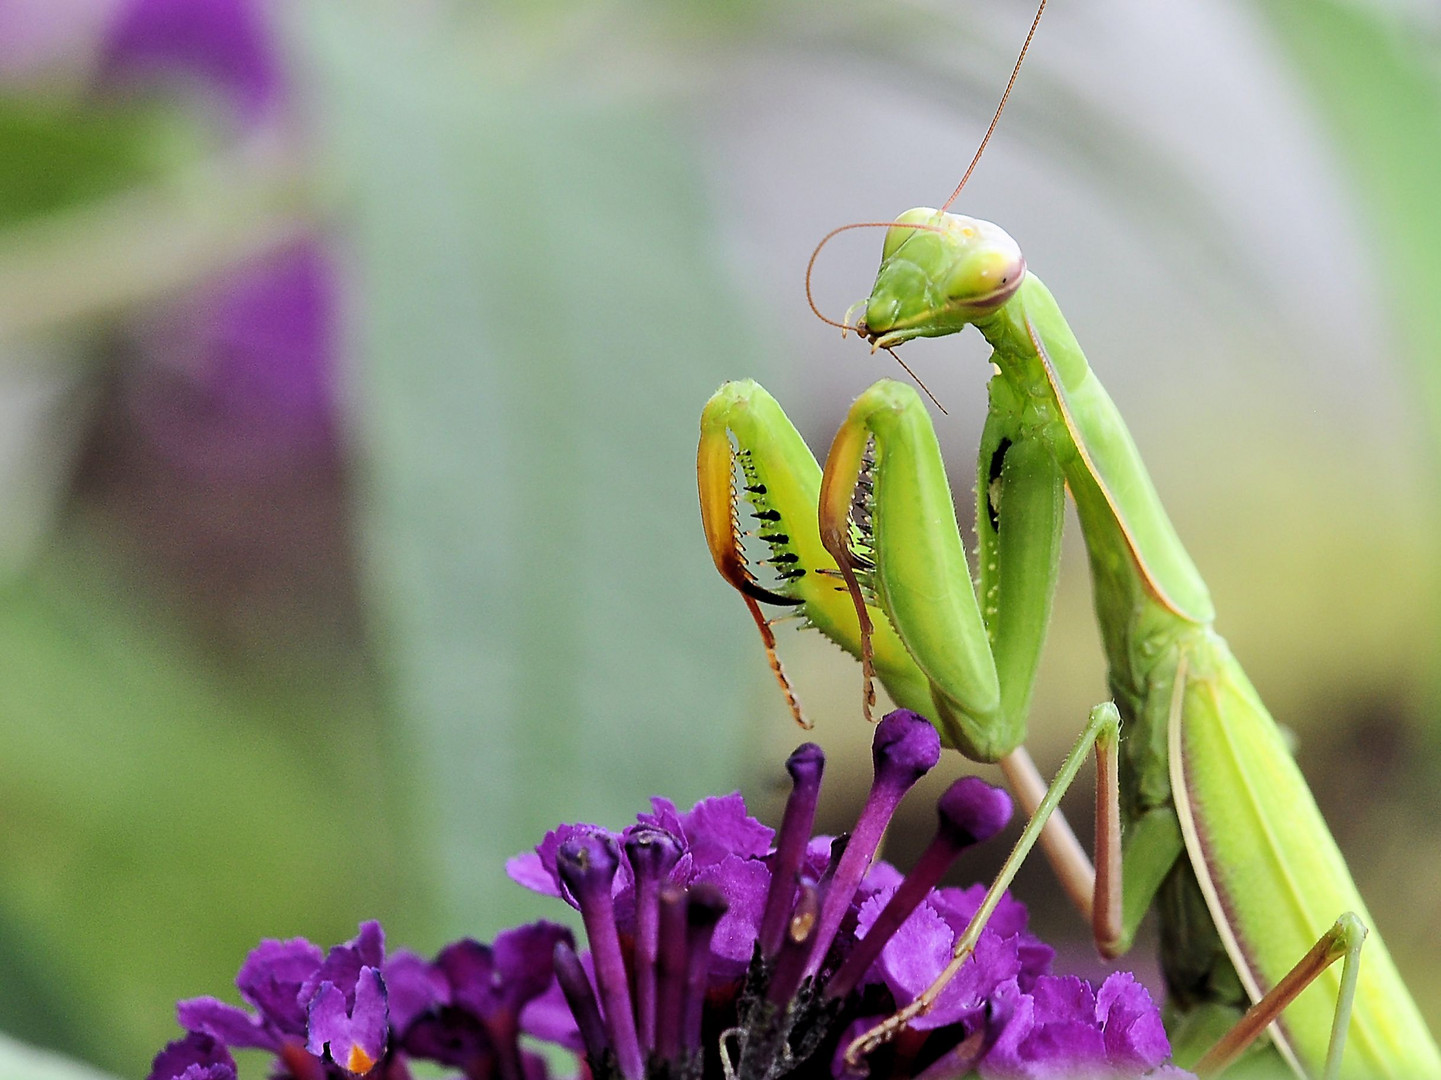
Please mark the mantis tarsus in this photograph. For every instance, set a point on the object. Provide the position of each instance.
(1221, 833)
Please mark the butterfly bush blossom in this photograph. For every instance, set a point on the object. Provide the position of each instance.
(717, 948)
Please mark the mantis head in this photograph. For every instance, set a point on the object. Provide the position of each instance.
(939, 271)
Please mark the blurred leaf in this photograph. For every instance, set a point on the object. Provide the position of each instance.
(59, 156)
(158, 818)
(1379, 85)
(21, 1062)
(540, 318)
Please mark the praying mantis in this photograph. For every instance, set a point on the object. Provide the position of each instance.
(1202, 812)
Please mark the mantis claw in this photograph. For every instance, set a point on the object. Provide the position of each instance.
(868, 1042)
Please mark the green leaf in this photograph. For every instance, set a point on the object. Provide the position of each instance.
(540, 317)
(60, 156)
(1379, 88)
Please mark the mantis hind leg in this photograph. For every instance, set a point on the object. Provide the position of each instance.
(1343, 942)
(1101, 734)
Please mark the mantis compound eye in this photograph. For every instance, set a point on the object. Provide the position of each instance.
(986, 272)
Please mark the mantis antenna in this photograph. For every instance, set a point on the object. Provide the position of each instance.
(1006, 96)
(844, 325)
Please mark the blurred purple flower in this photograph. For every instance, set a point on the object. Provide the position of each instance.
(40, 37)
(239, 373)
(236, 379)
(219, 445)
(222, 46)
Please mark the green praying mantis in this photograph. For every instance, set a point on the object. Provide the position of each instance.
(1202, 813)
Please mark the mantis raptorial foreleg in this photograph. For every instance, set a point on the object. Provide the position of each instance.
(914, 564)
(744, 429)
(995, 673)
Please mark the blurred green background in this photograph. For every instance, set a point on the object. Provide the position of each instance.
(350, 361)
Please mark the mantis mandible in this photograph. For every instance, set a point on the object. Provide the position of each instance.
(1220, 831)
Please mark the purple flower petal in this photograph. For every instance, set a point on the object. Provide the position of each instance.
(818, 857)
(1063, 997)
(922, 947)
(545, 852)
(413, 986)
(355, 1036)
(195, 1057)
(232, 1026)
(486, 980)
(449, 1037)
(881, 875)
(1135, 1036)
(1066, 1028)
(524, 958)
(914, 956)
(1007, 921)
(663, 815)
(548, 1017)
(1065, 1048)
(469, 970)
(344, 964)
(719, 827)
(271, 978)
(369, 944)
(744, 884)
(528, 870)
(1005, 1061)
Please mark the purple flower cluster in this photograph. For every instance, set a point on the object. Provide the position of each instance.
(356, 1011)
(717, 948)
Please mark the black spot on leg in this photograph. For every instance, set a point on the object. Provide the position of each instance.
(993, 484)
